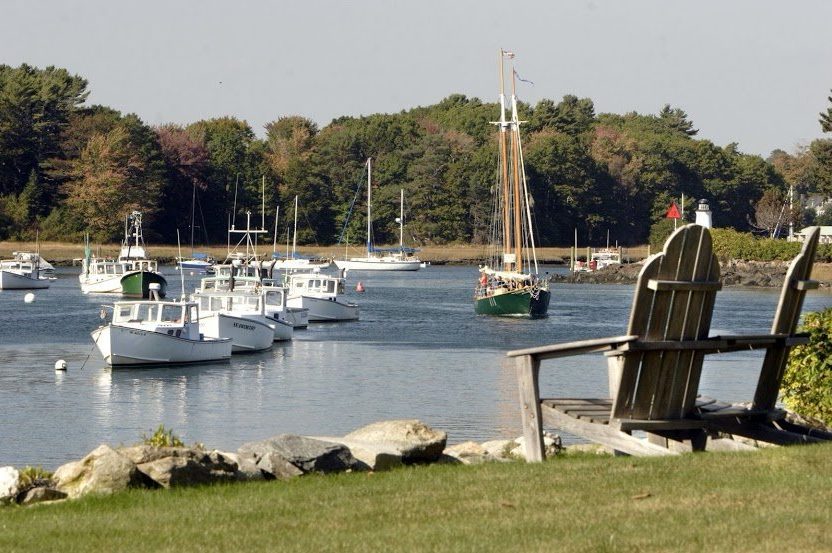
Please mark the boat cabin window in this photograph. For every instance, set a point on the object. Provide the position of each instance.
(330, 286)
(274, 298)
(204, 303)
(191, 313)
(147, 312)
(123, 313)
(171, 314)
(217, 304)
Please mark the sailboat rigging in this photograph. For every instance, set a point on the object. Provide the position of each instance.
(509, 283)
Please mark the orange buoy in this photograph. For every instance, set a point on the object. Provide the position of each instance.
(359, 287)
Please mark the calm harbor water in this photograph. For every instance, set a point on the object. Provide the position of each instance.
(419, 351)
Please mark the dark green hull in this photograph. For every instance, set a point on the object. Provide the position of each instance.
(136, 285)
(519, 303)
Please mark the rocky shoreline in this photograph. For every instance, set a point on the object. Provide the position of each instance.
(733, 273)
(379, 446)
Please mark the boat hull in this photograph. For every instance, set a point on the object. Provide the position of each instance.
(247, 334)
(125, 346)
(137, 284)
(532, 303)
(378, 265)
(10, 280)
(323, 310)
(196, 266)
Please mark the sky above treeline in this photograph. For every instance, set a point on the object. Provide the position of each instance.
(756, 72)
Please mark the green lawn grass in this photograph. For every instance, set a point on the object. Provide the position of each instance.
(773, 500)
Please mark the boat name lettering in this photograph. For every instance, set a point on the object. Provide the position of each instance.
(245, 326)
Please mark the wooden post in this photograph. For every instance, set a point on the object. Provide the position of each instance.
(528, 368)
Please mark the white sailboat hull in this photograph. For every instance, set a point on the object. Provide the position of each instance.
(246, 332)
(125, 346)
(10, 280)
(378, 264)
(325, 310)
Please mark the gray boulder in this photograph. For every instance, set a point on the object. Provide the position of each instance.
(39, 495)
(182, 471)
(246, 466)
(369, 455)
(414, 441)
(181, 466)
(102, 471)
(9, 477)
(500, 449)
(306, 454)
(469, 453)
(273, 465)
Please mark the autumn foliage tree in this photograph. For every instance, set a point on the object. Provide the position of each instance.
(110, 179)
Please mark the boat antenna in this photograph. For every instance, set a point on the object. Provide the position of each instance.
(181, 272)
(274, 238)
(234, 212)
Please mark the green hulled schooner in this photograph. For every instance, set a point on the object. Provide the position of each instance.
(509, 284)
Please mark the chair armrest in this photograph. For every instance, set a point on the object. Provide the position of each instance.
(567, 349)
(760, 341)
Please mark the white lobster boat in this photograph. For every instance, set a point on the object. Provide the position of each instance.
(23, 272)
(241, 315)
(153, 332)
(319, 294)
(274, 296)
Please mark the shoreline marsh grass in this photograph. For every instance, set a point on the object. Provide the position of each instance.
(776, 499)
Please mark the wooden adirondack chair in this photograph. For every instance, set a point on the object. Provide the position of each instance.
(763, 421)
(655, 368)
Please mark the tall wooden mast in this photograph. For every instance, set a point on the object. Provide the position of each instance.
(504, 174)
(515, 166)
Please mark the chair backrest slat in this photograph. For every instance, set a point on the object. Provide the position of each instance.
(785, 321)
(663, 384)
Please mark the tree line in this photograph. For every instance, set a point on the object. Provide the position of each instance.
(67, 168)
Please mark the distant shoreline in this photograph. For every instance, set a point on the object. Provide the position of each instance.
(62, 253)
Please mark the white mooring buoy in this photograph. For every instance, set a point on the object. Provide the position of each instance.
(60, 365)
(29, 297)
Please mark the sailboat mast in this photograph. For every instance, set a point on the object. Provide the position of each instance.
(274, 238)
(369, 205)
(401, 221)
(515, 165)
(295, 237)
(193, 213)
(504, 163)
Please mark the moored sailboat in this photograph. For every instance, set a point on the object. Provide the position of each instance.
(382, 259)
(509, 283)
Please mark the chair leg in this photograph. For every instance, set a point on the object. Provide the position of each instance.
(528, 369)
